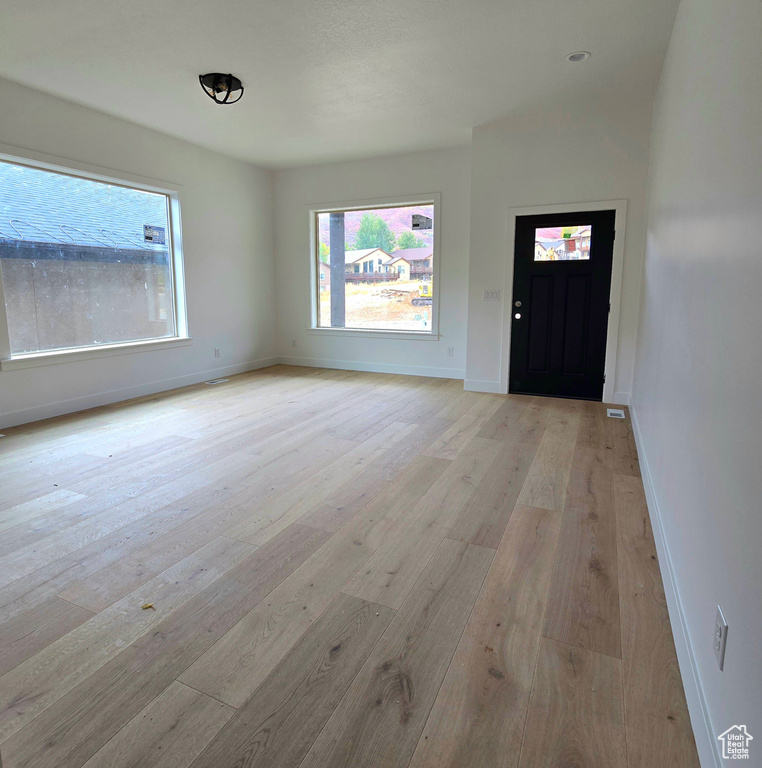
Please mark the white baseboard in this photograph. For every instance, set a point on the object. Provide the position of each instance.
(706, 742)
(474, 385)
(494, 387)
(354, 365)
(49, 410)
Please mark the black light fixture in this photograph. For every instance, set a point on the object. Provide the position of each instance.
(220, 88)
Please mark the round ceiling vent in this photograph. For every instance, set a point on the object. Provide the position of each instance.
(578, 56)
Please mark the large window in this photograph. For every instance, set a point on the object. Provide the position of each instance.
(85, 262)
(375, 268)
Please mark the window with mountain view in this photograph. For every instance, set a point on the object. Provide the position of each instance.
(375, 268)
(84, 263)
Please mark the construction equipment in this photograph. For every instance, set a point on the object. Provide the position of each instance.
(425, 297)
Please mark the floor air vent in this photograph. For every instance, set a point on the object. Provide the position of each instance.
(219, 381)
(615, 413)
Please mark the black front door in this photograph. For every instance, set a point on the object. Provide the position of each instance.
(561, 284)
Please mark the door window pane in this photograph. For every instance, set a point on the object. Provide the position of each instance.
(84, 262)
(562, 243)
(382, 274)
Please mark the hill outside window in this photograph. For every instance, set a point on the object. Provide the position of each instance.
(377, 268)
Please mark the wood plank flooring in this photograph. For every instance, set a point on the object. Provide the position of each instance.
(305, 568)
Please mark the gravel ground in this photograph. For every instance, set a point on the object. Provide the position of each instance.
(380, 305)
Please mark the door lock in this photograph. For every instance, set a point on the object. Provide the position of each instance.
(516, 303)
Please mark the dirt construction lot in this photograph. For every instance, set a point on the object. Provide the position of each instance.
(379, 305)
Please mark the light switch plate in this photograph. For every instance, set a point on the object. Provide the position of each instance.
(720, 637)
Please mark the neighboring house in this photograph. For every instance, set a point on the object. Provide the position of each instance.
(58, 214)
(582, 242)
(571, 248)
(401, 266)
(368, 260)
(548, 250)
(420, 261)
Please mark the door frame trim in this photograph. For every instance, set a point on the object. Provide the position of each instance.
(615, 293)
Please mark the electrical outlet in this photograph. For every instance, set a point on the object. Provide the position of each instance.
(450, 351)
(720, 637)
(491, 295)
(293, 342)
(217, 352)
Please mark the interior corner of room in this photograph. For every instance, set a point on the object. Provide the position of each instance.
(655, 138)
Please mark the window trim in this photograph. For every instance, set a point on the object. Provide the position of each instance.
(398, 201)
(73, 354)
(182, 337)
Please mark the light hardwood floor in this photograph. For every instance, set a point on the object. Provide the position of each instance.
(314, 568)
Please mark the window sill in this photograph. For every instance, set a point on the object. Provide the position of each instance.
(37, 359)
(373, 334)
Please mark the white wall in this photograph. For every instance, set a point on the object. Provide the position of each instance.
(228, 249)
(698, 370)
(443, 171)
(592, 149)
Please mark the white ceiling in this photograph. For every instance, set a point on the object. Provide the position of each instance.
(330, 79)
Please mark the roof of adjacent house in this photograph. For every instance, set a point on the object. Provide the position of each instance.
(548, 244)
(396, 258)
(350, 257)
(46, 207)
(414, 254)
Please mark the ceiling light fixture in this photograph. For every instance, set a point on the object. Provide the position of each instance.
(220, 88)
(578, 56)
